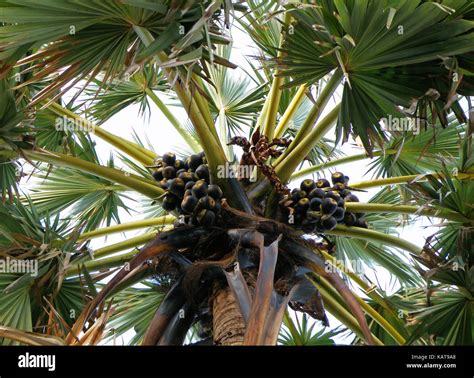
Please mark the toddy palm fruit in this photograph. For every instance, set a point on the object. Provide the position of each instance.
(169, 172)
(315, 204)
(179, 164)
(169, 203)
(361, 222)
(328, 223)
(339, 214)
(203, 172)
(189, 204)
(349, 219)
(200, 188)
(163, 184)
(158, 174)
(214, 191)
(307, 185)
(334, 195)
(302, 205)
(176, 186)
(328, 206)
(194, 161)
(344, 193)
(185, 176)
(322, 183)
(206, 217)
(168, 159)
(307, 227)
(338, 177)
(189, 185)
(313, 216)
(339, 186)
(207, 202)
(297, 194)
(351, 198)
(317, 193)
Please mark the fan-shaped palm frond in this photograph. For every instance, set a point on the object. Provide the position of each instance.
(305, 334)
(373, 42)
(135, 309)
(90, 200)
(90, 38)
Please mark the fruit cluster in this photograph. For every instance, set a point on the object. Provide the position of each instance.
(188, 189)
(319, 207)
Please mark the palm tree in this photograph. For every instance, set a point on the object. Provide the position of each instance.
(234, 267)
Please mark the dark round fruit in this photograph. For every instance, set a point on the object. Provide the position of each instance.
(188, 192)
(214, 191)
(361, 222)
(206, 217)
(297, 194)
(344, 192)
(195, 176)
(194, 161)
(334, 195)
(158, 174)
(317, 193)
(328, 223)
(315, 204)
(302, 205)
(338, 177)
(186, 176)
(308, 185)
(328, 206)
(179, 164)
(207, 202)
(203, 172)
(307, 227)
(163, 184)
(169, 203)
(179, 171)
(176, 186)
(169, 172)
(169, 159)
(298, 218)
(322, 183)
(339, 186)
(339, 214)
(351, 198)
(189, 204)
(341, 203)
(313, 217)
(189, 185)
(349, 219)
(200, 189)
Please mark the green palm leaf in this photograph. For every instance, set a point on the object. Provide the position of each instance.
(389, 52)
(91, 200)
(134, 311)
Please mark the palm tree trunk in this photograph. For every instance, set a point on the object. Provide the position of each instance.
(228, 324)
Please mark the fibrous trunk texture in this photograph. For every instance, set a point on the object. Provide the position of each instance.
(228, 324)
